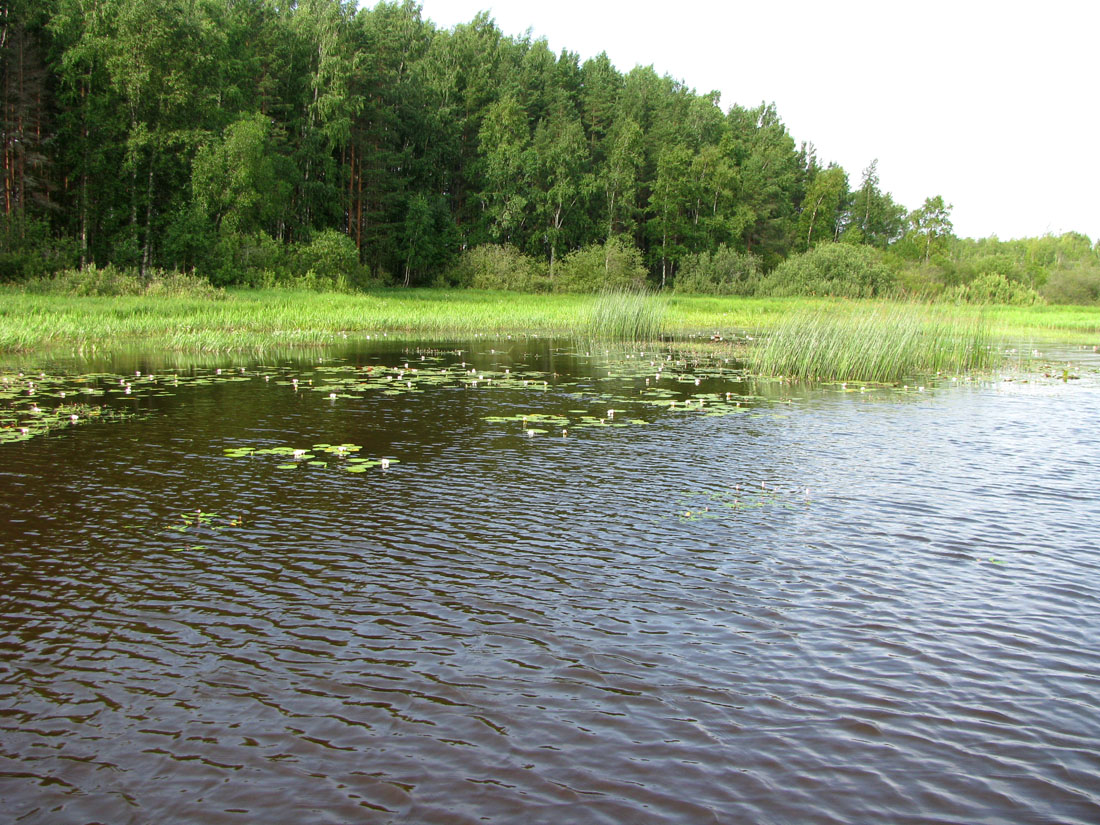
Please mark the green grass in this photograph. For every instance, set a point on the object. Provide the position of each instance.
(877, 342)
(257, 320)
(267, 320)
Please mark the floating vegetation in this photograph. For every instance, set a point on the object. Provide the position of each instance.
(197, 526)
(39, 404)
(339, 454)
(718, 504)
(608, 390)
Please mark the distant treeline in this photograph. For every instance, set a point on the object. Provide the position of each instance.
(272, 141)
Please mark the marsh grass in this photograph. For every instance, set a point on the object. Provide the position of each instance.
(876, 342)
(265, 320)
(625, 316)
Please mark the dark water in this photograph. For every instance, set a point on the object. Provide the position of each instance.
(854, 607)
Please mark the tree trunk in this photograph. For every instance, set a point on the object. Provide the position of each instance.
(84, 92)
(148, 217)
(813, 219)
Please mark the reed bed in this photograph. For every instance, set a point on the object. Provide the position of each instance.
(874, 342)
(625, 317)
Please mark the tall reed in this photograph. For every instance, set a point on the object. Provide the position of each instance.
(873, 342)
(625, 316)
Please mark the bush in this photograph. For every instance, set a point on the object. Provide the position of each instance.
(995, 264)
(250, 260)
(1080, 286)
(498, 267)
(918, 281)
(614, 265)
(724, 271)
(995, 288)
(329, 261)
(831, 269)
(110, 281)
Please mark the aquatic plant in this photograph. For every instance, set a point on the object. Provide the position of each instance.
(625, 316)
(873, 342)
(345, 453)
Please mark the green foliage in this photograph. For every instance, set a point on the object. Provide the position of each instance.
(234, 178)
(724, 271)
(1056, 267)
(499, 267)
(224, 137)
(110, 281)
(27, 249)
(994, 288)
(329, 261)
(831, 269)
(822, 207)
(873, 217)
(1080, 286)
(999, 263)
(614, 265)
(429, 239)
(930, 231)
(250, 260)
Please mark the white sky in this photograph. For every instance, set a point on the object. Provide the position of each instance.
(994, 105)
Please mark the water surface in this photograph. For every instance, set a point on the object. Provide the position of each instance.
(823, 605)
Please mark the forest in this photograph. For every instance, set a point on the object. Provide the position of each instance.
(271, 142)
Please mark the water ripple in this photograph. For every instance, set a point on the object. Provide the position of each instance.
(848, 610)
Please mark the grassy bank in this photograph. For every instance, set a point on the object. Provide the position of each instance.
(260, 320)
(254, 320)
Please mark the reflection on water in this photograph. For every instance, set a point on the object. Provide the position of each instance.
(788, 605)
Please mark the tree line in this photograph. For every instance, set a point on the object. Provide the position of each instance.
(252, 139)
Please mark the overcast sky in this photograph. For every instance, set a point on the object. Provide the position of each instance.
(993, 105)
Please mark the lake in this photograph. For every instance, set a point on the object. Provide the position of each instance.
(581, 588)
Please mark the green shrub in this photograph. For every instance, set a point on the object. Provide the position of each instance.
(490, 266)
(918, 281)
(831, 269)
(994, 288)
(329, 261)
(112, 282)
(614, 265)
(724, 271)
(250, 260)
(1079, 286)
